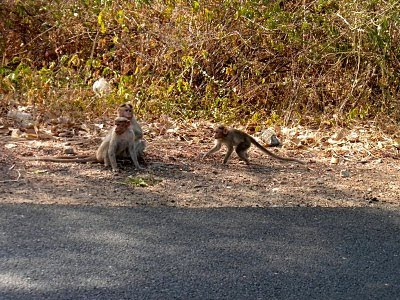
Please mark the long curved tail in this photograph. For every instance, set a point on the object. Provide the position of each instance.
(263, 149)
(65, 159)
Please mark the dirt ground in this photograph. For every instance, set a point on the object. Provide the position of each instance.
(176, 176)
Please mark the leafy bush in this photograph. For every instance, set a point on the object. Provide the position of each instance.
(256, 61)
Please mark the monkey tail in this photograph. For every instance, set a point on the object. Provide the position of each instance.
(65, 159)
(69, 156)
(266, 151)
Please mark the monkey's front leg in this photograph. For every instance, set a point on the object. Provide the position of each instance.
(133, 153)
(213, 150)
(228, 154)
(112, 149)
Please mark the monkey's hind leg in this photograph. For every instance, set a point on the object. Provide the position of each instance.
(134, 154)
(140, 146)
(241, 151)
(228, 154)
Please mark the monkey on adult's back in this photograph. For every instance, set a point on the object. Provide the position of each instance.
(126, 110)
(120, 140)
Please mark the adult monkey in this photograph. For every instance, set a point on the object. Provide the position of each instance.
(126, 110)
(116, 143)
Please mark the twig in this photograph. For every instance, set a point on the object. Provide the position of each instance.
(94, 45)
(345, 21)
(12, 180)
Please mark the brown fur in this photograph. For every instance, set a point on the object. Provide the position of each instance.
(126, 110)
(241, 142)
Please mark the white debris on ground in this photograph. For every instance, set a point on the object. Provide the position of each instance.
(101, 87)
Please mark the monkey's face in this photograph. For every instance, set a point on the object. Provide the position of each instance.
(220, 132)
(125, 110)
(121, 125)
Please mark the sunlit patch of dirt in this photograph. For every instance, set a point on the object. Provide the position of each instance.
(185, 180)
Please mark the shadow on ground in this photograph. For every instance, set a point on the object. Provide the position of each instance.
(170, 253)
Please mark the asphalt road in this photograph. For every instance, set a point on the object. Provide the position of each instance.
(59, 252)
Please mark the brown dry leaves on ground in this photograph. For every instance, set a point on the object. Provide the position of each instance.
(345, 167)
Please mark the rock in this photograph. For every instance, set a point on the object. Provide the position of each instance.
(269, 137)
(274, 141)
(372, 199)
(334, 160)
(353, 137)
(396, 144)
(24, 119)
(65, 134)
(344, 173)
(69, 150)
(19, 115)
(10, 146)
(16, 133)
(338, 135)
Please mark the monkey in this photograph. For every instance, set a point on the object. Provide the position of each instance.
(234, 138)
(126, 110)
(119, 140)
(122, 140)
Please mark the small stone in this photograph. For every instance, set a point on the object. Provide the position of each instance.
(269, 137)
(373, 199)
(65, 134)
(19, 115)
(338, 135)
(274, 141)
(10, 146)
(334, 160)
(69, 150)
(345, 173)
(353, 137)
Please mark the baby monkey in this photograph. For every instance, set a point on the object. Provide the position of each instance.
(241, 141)
(126, 110)
(117, 142)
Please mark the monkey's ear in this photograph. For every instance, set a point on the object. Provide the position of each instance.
(225, 131)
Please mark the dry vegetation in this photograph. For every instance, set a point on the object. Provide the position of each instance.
(262, 62)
